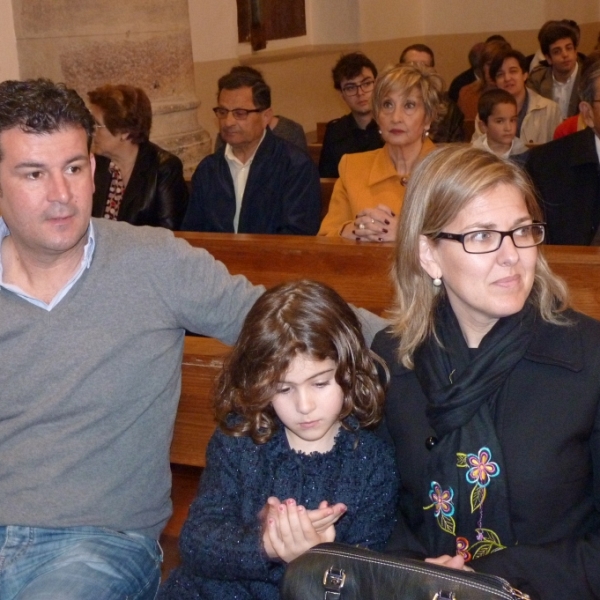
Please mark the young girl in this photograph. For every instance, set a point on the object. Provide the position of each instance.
(289, 466)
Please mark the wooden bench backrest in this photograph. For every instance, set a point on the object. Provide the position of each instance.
(359, 272)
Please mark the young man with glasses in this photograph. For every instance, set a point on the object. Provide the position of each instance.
(257, 182)
(565, 173)
(354, 77)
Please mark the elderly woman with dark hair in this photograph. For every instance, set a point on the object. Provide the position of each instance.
(494, 397)
(135, 180)
(368, 195)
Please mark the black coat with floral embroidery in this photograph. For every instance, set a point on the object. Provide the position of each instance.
(548, 425)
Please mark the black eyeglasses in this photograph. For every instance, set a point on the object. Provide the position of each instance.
(483, 241)
(239, 114)
(352, 88)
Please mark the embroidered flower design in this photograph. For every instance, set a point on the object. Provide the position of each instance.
(442, 499)
(482, 468)
(462, 548)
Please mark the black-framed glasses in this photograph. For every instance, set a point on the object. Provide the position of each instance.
(351, 89)
(483, 241)
(239, 114)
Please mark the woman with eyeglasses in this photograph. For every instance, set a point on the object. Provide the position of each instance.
(368, 195)
(135, 180)
(494, 398)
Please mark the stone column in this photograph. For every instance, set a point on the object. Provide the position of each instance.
(145, 43)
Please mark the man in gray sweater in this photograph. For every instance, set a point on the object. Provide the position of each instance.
(91, 335)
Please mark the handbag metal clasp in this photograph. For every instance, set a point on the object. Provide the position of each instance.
(441, 595)
(333, 581)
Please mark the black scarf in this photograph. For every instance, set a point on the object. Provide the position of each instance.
(466, 498)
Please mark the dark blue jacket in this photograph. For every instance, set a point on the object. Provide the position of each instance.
(282, 194)
(220, 542)
(566, 175)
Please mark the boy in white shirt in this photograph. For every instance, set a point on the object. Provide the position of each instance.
(497, 112)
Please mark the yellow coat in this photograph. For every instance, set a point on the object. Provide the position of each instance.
(366, 180)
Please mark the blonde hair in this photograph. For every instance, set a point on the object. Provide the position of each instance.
(405, 78)
(441, 186)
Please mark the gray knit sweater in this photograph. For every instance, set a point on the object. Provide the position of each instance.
(89, 390)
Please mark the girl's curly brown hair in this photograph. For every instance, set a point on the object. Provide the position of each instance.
(300, 317)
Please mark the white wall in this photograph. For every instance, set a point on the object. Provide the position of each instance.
(9, 65)
(214, 22)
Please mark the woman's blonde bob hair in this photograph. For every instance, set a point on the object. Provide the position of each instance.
(440, 187)
(405, 78)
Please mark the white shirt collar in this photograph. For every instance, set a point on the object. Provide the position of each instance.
(570, 80)
(230, 156)
(86, 261)
(597, 140)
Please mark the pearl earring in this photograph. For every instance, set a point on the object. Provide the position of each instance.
(437, 282)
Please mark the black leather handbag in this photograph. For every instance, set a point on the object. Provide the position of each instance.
(341, 572)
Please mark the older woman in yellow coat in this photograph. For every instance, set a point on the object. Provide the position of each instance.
(368, 195)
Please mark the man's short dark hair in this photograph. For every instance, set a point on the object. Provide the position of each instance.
(350, 66)
(418, 48)
(42, 106)
(499, 59)
(247, 77)
(491, 98)
(475, 54)
(552, 31)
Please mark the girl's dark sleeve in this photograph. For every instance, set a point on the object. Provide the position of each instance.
(217, 541)
(374, 512)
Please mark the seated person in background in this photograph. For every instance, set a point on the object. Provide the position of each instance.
(577, 122)
(368, 196)
(135, 180)
(565, 173)
(497, 119)
(290, 465)
(468, 96)
(354, 77)
(468, 76)
(538, 117)
(559, 79)
(282, 127)
(448, 126)
(257, 182)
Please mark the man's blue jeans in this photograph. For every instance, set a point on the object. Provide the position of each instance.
(77, 563)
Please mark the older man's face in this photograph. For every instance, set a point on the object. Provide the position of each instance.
(416, 57)
(46, 187)
(242, 133)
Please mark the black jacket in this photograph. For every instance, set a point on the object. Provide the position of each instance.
(282, 193)
(566, 174)
(549, 429)
(344, 136)
(156, 193)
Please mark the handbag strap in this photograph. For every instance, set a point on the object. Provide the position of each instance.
(333, 581)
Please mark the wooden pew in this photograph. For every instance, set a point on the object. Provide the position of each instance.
(314, 149)
(359, 272)
(327, 184)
